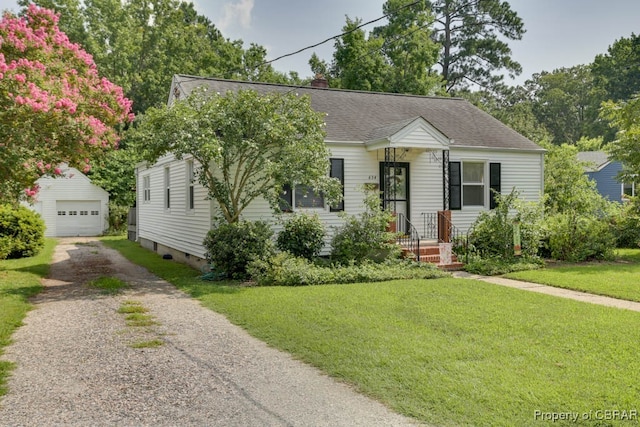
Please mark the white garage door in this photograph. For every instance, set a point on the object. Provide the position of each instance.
(78, 218)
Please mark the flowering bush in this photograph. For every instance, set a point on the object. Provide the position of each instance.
(54, 107)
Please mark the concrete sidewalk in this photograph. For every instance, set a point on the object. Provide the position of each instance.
(550, 290)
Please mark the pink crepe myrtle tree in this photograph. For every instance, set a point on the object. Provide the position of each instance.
(54, 106)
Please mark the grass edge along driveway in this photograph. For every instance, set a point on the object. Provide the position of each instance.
(445, 351)
(19, 280)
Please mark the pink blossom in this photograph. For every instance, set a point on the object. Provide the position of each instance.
(57, 171)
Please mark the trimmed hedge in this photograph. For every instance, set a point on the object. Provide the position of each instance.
(231, 247)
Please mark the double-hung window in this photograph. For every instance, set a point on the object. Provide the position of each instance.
(468, 184)
(304, 197)
(146, 189)
(337, 172)
(190, 186)
(167, 188)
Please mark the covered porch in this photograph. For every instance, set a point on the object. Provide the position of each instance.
(402, 149)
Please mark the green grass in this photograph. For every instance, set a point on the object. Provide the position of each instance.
(139, 319)
(132, 307)
(445, 351)
(108, 285)
(147, 344)
(19, 280)
(618, 279)
(136, 317)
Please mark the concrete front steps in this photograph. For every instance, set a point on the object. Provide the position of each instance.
(431, 253)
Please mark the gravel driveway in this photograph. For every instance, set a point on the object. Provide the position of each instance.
(76, 364)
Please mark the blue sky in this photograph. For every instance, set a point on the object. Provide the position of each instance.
(560, 33)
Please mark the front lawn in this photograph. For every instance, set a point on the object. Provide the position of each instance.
(19, 279)
(445, 351)
(617, 279)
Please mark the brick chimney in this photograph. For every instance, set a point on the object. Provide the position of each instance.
(320, 81)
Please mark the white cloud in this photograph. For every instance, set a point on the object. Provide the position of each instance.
(237, 13)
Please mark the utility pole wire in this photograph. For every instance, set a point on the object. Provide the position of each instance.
(339, 35)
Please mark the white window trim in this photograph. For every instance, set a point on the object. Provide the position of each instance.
(167, 189)
(146, 189)
(190, 191)
(294, 208)
(484, 183)
(633, 191)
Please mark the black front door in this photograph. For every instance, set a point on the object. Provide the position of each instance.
(395, 189)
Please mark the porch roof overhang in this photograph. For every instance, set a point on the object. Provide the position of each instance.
(412, 133)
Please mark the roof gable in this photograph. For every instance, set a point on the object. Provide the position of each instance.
(412, 133)
(595, 160)
(356, 116)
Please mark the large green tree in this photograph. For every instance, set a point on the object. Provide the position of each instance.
(567, 102)
(141, 44)
(408, 48)
(397, 57)
(618, 70)
(625, 116)
(358, 62)
(473, 35)
(245, 145)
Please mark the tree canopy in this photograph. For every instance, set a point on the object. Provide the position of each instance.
(54, 106)
(141, 44)
(472, 36)
(618, 70)
(624, 115)
(245, 145)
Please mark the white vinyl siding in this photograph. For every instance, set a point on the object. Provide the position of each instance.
(73, 193)
(185, 232)
(520, 170)
(176, 228)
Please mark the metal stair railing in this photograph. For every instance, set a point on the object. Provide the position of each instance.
(408, 236)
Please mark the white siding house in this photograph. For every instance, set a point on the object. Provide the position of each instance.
(424, 154)
(71, 205)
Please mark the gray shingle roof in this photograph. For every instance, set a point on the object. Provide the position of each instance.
(356, 115)
(595, 160)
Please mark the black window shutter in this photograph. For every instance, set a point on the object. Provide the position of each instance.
(455, 186)
(337, 171)
(494, 183)
(286, 199)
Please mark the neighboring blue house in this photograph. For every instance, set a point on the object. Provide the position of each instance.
(604, 172)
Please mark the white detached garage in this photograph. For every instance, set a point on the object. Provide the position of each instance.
(71, 205)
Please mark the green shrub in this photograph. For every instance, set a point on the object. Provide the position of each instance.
(625, 221)
(230, 247)
(302, 235)
(117, 219)
(492, 233)
(286, 270)
(365, 236)
(575, 238)
(21, 232)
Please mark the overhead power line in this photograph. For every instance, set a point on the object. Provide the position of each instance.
(340, 35)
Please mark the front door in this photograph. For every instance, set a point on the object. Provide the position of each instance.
(395, 190)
